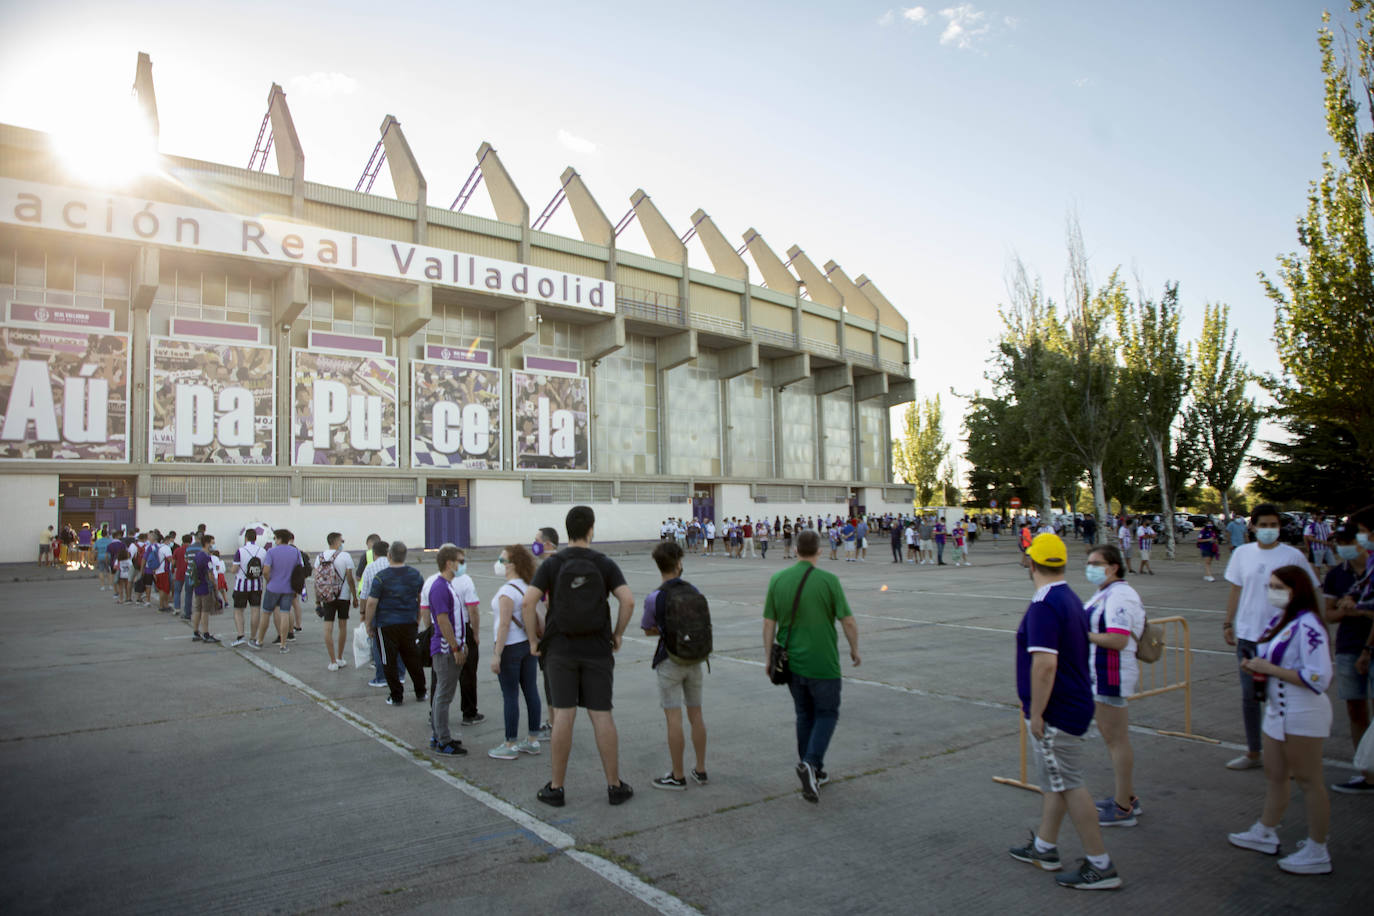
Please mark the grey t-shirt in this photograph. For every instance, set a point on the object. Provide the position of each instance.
(927, 531)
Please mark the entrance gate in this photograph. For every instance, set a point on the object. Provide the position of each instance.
(447, 515)
(97, 501)
(704, 503)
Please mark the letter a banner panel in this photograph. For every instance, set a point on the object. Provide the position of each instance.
(65, 396)
(551, 422)
(343, 410)
(455, 417)
(212, 403)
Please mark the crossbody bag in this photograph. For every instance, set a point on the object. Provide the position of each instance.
(779, 669)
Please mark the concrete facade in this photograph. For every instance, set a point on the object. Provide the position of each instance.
(682, 370)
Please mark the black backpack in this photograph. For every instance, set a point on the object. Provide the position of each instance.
(252, 570)
(579, 598)
(300, 573)
(686, 623)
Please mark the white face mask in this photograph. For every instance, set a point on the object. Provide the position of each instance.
(1362, 539)
(1278, 597)
(499, 568)
(1266, 535)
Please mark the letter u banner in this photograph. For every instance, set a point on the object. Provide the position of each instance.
(65, 396)
(212, 403)
(552, 430)
(455, 417)
(343, 410)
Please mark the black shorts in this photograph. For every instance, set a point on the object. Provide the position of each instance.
(336, 608)
(244, 599)
(584, 682)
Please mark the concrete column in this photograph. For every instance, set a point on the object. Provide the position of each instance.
(403, 430)
(834, 378)
(739, 360)
(867, 387)
(147, 276)
(727, 458)
(856, 442)
(603, 338)
(789, 369)
(819, 472)
(516, 324)
(777, 432)
(676, 349)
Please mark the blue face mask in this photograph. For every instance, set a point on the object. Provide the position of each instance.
(1266, 535)
(462, 570)
(1362, 539)
(1096, 574)
(1347, 551)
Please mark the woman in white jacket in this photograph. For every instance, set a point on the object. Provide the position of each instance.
(1294, 660)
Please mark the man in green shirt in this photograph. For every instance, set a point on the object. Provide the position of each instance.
(813, 652)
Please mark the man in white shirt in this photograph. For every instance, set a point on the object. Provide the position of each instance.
(248, 586)
(1145, 535)
(379, 563)
(1126, 539)
(710, 538)
(337, 607)
(1317, 536)
(1249, 614)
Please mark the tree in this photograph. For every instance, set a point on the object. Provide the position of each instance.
(1325, 294)
(1319, 468)
(1084, 391)
(997, 455)
(922, 448)
(1156, 377)
(1029, 354)
(1225, 418)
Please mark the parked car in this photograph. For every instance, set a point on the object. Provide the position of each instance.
(1291, 528)
(1198, 521)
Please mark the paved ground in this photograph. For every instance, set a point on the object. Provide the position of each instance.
(149, 774)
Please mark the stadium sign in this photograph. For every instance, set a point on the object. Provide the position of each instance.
(92, 213)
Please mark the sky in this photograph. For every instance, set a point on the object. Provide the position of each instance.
(924, 146)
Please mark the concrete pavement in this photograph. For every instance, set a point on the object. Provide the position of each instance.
(150, 774)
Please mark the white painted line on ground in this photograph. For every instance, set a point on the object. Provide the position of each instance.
(661, 901)
(1003, 631)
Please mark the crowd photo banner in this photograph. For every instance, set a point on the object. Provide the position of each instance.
(455, 416)
(551, 422)
(344, 409)
(65, 395)
(212, 403)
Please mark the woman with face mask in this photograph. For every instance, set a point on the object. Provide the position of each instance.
(1355, 627)
(1116, 619)
(1293, 662)
(512, 663)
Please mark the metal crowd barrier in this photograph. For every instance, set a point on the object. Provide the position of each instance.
(1173, 671)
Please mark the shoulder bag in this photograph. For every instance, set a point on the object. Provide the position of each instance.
(779, 670)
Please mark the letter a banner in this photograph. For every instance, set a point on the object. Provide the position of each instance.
(343, 410)
(551, 422)
(64, 396)
(212, 403)
(455, 417)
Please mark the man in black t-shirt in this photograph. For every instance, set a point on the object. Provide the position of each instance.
(580, 667)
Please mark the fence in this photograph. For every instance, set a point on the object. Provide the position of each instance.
(1173, 671)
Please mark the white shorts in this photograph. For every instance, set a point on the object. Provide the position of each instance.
(927, 545)
(1145, 554)
(849, 546)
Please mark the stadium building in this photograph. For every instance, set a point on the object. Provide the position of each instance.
(206, 343)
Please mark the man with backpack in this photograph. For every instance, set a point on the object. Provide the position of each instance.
(680, 617)
(576, 636)
(335, 591)
(247, 571)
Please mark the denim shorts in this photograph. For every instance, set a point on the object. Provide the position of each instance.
(1350, 684)
(679, 684)
(276, 601)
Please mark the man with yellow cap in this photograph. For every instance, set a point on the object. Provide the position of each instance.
(1054, 682)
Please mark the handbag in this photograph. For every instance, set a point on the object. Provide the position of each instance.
(1150, 646)
(779, 670)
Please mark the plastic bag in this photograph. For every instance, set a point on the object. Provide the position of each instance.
(362, 647)
(1364, 754)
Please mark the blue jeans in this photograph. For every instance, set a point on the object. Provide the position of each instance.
(188, 596)
(817, 701)
(519, 674)
(939, 551)
(177, 585)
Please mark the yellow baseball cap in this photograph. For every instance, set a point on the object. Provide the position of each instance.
(1048, 550)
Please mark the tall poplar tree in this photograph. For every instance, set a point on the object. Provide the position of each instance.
(1223, 414)
(1324, 296)
(922, 449)
(1157, 375)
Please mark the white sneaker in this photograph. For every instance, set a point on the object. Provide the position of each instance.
(1209, 578)
(1245, 762)
(1259, 838)
(1311, 858)
(333, 666)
